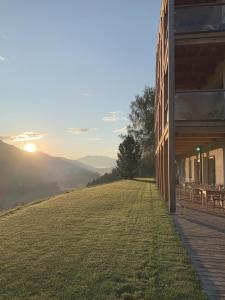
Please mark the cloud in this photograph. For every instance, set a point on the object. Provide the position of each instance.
(95, 139)
(85, 94)
(23, 137)
(79, 131)
(121, 130)
(112, 117)
(2, 58)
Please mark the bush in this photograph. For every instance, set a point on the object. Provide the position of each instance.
(106, 178)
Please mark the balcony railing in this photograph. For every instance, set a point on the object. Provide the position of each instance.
(209, 18)
(200, 106)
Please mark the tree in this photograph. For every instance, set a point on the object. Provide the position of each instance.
(129, 157)
(146, 167)
(142, 119)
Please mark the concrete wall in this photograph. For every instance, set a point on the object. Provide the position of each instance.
(218, 153)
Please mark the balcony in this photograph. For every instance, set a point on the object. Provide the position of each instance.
(200, 19)
(200, 106)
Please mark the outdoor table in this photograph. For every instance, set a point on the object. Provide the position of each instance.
(207, 192)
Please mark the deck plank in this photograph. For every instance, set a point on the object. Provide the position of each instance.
(203, 234)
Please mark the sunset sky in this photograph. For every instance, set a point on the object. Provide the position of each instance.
(69, 70)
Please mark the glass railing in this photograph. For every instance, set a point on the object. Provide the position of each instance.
(210, 18)
(200, 106)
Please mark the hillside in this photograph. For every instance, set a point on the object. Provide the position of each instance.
(115, 241)
(28, 176)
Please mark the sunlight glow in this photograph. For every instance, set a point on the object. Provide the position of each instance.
(30, 147)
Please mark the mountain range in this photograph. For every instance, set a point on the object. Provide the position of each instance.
(101, 164)
(25, 177)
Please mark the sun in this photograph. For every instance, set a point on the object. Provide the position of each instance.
(30, 147)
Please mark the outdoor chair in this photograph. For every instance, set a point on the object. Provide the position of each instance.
(222, 200)
(214, 197)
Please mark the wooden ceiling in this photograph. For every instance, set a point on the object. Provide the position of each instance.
(195, 64)
(186, 143)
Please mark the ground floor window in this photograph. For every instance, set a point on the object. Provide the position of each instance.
(197, 170)
(205, 171)
(212, 170)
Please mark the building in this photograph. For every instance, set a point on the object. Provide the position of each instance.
(190, 95)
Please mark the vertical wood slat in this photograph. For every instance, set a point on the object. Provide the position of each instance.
(171, 111)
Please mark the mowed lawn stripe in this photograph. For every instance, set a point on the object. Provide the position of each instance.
(114, 241)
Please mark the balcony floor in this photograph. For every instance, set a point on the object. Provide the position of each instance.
(203, 233)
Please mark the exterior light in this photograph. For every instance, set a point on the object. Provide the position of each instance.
(198, 149)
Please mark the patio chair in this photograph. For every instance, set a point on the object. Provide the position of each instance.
(222, 200)
(214, 197)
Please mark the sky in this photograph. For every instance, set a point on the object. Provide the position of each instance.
(69, 70)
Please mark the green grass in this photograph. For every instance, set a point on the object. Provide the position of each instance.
(115, 241)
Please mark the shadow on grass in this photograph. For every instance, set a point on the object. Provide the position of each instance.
(150, 180)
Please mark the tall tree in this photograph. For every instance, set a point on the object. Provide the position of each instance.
(129, 157)
(142, 118)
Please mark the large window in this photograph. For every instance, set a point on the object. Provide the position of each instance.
(205, 170)
(197, 170)
(210, 18)
(200, 105)
(212, 170)
(190, 169)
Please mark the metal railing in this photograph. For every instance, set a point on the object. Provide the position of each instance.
(208, 18)
(200, 105)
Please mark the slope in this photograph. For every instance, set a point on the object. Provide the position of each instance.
(114, 241)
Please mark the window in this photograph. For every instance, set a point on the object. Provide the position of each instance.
(205, 170)
(197, 170)
(190, 168)
(212, 170)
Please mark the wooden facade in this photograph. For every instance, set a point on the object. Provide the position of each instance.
(190, 85)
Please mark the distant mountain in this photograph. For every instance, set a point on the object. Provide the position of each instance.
(29, 176)
(101, 164)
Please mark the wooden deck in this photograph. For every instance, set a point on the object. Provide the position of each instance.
(203, 233)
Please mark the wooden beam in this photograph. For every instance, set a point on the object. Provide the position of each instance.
(194, 139)
(194, 3)
(200, 38)
(163, 138)
(201, 134)
(171, 111)
(202, 129)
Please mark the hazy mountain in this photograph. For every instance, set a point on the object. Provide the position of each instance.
(29, 176)
(102, 164)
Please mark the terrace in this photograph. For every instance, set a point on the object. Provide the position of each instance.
(208, 196)
(202, 230)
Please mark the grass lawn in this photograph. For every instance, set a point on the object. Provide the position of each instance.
(114, 241)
